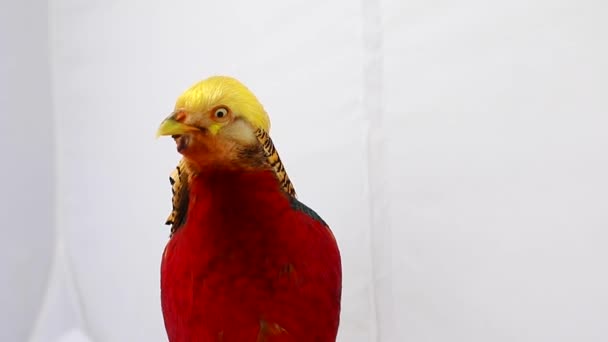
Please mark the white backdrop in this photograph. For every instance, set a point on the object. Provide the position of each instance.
(458, 150)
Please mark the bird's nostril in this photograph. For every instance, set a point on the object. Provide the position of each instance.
(180, 116)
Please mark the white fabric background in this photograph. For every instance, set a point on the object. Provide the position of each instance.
(458, 150)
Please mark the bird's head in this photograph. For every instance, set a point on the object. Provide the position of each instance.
(215, 123)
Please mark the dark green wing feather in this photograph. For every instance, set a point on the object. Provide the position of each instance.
(297, 205)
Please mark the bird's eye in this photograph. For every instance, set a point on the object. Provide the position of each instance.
(221, 113)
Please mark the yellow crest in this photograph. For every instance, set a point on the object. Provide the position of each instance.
(226, 91)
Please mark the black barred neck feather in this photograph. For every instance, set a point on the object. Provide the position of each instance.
(272, 156)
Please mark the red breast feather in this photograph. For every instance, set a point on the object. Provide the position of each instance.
(250, 265)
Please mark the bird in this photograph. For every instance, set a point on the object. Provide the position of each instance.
(245, 260)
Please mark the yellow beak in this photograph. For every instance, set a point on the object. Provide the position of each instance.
(170, 126)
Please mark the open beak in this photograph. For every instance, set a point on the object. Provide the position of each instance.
(171, 126)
